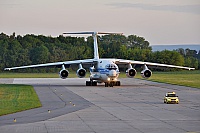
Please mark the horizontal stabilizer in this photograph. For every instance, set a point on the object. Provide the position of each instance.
(79, 33)
(93, 33)
(109, 33)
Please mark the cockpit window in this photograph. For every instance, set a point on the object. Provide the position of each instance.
(111, 66)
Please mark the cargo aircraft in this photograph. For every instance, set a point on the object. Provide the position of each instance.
(104, 70)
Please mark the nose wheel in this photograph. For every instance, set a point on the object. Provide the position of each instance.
(111, 84)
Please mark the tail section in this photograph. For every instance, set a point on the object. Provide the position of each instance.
(94, 34)
(96, 51)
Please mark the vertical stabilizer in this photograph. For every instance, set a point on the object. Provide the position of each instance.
(96, 51)
(94, 34)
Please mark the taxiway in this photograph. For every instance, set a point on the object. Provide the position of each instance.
(135, 107)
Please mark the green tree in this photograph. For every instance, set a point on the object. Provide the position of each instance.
(168, 57)
(137, 42)
(192, 62)
(40, 54)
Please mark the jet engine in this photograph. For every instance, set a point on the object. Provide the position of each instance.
(81, 72)
(64, 73)
(146, 73)
(131, 72)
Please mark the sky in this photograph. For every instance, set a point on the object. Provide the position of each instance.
(158, 21)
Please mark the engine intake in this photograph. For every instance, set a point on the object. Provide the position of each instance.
(131, 72)
(81, 72)
(63, 73)
(146, 73)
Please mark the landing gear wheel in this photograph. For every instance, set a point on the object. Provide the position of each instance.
(94, 83)
(111, 84)
(106, 84)
(88, 83)
(117, 83)
(91, 83)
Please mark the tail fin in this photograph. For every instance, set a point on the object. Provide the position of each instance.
(94, 34)
(96, 51)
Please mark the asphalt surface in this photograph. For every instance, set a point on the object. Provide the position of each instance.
(135, 107)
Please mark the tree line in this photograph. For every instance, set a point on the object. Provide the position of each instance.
(17, 50)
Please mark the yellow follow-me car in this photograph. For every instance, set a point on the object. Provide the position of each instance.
(171, 97)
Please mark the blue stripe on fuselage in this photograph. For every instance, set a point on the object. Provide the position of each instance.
(102, 70)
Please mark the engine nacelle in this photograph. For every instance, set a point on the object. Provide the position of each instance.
(131, 72)
(64, 73)
(146, 73)
(81, 72)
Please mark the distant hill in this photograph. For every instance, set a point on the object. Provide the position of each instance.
(174, 47)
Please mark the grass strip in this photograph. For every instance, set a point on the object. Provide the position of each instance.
(29, 75)
(183, 78)
(189, 79)
(36, 75)
(16, 98)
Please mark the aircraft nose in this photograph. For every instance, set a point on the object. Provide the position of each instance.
(112, 73)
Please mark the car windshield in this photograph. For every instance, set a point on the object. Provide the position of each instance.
(171, 95)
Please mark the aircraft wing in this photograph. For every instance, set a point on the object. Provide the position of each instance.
(66, 63)
(122, 61)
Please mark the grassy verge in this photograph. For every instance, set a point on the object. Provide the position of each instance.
(15, 98)
(184, 78)
(35, 75)
(29, 75)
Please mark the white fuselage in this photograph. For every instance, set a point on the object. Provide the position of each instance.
(105, 71)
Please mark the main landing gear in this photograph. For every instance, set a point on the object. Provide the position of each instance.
(107, 84)
(111, 84)
(91, 83)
